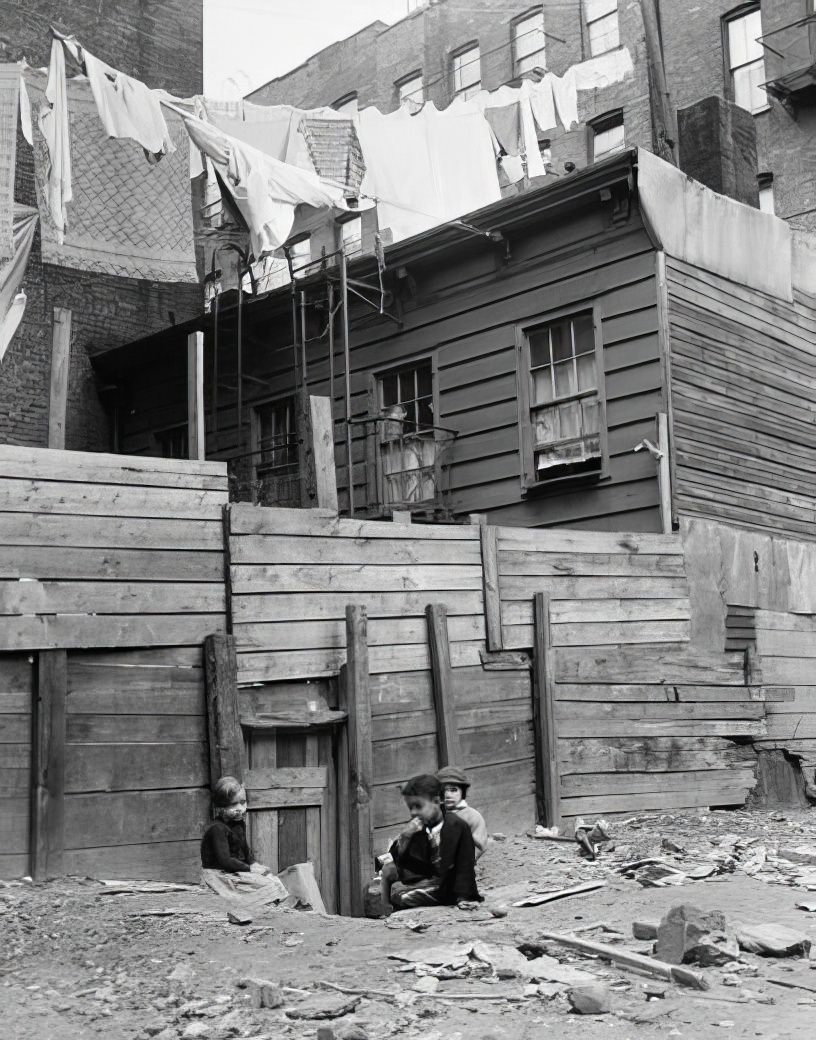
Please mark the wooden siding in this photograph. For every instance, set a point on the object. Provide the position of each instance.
(120, 562)
(294, 571)
(606, 588)
(462, 312)
(652, 727)
(743, 375)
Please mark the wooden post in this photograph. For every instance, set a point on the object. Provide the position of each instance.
(48, 765)
(664, 472)
(447, 731)
(60, 365)
(195, 395)
(223, 719)
(490, 586)
(548, 779)
(361, 766)
(343, 776)
(322, 430)
(664, 121)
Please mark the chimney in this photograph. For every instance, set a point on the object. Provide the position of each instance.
(717, 146)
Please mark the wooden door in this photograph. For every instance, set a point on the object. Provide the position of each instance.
(292, 795)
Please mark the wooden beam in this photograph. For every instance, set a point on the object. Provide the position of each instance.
(361, 765)
(343, 788)
(664, 472)
(447, 732)
(60, 365)
(195, 396)
(492, 595)
(223, 720)
(548, 780)
(48, 765)
(322, 432)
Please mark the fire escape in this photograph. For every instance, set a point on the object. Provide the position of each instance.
(791, 51)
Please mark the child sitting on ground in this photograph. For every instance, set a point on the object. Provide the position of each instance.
(434, 856)
(455, 786)
(224, 845)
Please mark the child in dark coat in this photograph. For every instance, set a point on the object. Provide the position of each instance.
(434, 855)
(224, 845)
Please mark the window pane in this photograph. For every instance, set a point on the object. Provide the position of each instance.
(747, 91)
(743, 33)
(467, 72)
(569, 418)
(766, 199)
(608, 141)
(540, 348)
(590, 415)
(542, 386)
(424, 381)
(412, 93)
(390, 393)
(353, 236)
(604, 35)
(529, 43)
(583, 332)
(425, 412)
(545, 426)
(565, 385)
(586, 372)
(561, 341)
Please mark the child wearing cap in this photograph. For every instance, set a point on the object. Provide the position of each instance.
(455, 784)
(434, 856)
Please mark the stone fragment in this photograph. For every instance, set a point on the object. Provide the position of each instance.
(263, 993)
(323, 1006)
(427, 984)
(326, 1033)
(688, 935)
(645, 930)
(196, 1031)
(239, 917)
(801, 854)
(352, 1032)
(772, 940)
(592, 999)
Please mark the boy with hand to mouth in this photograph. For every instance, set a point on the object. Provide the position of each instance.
(455, 784)
(434, 856)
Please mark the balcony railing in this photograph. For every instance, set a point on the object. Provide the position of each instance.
(790, 54)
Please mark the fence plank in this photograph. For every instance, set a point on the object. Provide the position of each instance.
(48, 766)
(447, 733)
(361, 768)
(223, 722)
(546, 756)
(492, 596)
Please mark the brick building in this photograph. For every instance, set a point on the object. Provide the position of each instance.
(160, 43)
(708, 49)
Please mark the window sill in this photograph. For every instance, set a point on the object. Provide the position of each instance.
(540, 488)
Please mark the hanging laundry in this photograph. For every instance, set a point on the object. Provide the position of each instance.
(9, 105)
(565, 96)
(127, 218)
(25, 110)
(334, 148)
(505, 123)
(603, 71)
(427, 169)
(542, 104)
(487, 100)
(264, 190)
(128, 107)
(12, 299)
(54, 127)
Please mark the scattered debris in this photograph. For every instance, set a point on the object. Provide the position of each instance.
(645, 930)
(594, 999)
(239, 917)
(548, 897)
(627, 959)
(688, 935)
(772, 940)
(321, 1006)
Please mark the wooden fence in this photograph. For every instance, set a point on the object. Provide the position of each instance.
(111, 576)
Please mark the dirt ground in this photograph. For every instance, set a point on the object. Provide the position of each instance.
(77, 961)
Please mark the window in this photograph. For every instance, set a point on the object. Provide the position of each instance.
(300, 253)
(528, 43)
(467, 74)
(411, 92)
(173, 443)
(606, 136)
(746, 60)
(766, 193)
(407, 446)
(352, 232)
(347, 103)
(275, 453)
(602, 25)
(561, 400)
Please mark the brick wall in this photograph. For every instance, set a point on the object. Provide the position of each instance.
(161, 44)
